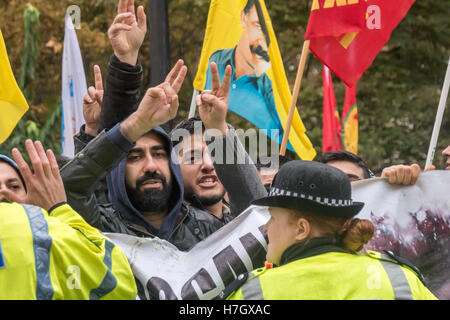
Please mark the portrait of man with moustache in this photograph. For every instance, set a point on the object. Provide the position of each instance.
(251, 89)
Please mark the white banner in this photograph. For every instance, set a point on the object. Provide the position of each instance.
(73, 88)
(412, 221)
(164, 272)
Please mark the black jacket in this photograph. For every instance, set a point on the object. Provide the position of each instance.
(184, 225)
(187, 224)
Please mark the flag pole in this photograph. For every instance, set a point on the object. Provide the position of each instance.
(193, 107)
(439, 116)
(298, 81)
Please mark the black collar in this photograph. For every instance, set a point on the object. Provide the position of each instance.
(309, 248)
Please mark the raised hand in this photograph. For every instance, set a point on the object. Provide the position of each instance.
(159, 105)
(45, 187)
(213, 104)
(127, 33)
(176, 76)
(92, 104)
(401, 174)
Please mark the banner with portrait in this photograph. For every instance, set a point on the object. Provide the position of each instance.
(240, 33)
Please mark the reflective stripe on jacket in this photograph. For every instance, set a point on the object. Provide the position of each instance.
(58, 256)
(335, 276)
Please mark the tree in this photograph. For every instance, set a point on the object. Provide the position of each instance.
(397, 96)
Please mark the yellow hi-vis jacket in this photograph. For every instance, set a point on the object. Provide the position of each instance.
(335, 276)
(58, 256)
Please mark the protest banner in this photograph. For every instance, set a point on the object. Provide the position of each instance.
(164, 272)
(411, 221)
(240, 33)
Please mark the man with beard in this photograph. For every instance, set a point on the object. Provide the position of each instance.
(145, 186)
(249, 60)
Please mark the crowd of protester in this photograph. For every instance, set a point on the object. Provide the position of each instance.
(130, 176)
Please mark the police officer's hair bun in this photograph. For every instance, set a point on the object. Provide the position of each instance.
(351, 234)
(355, 233)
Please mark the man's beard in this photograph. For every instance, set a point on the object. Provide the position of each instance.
(206, 201)
(150, 200)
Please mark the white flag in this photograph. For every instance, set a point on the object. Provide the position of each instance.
(73, 88)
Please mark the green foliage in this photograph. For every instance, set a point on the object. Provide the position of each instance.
(397, 96)
(28, 128)
(30, 54)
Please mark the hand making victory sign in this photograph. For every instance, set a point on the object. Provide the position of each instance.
(213, 104)
(166, 95)
(159, 105)
(92, 104)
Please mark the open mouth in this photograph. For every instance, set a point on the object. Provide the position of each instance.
(208, 181)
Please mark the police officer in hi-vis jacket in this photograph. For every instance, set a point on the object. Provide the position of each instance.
(47, 250)
(313, 244)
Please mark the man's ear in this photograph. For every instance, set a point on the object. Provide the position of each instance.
(243, 19)
(303, 229)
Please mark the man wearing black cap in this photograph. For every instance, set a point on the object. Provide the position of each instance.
(313, 241)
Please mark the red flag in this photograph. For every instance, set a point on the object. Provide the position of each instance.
(331, 137)
(349, 55)
(329, 18)
(350, 121)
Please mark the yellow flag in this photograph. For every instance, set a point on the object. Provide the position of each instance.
(350, 131)
(350, 121)
(12, 102)
(240, 33)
